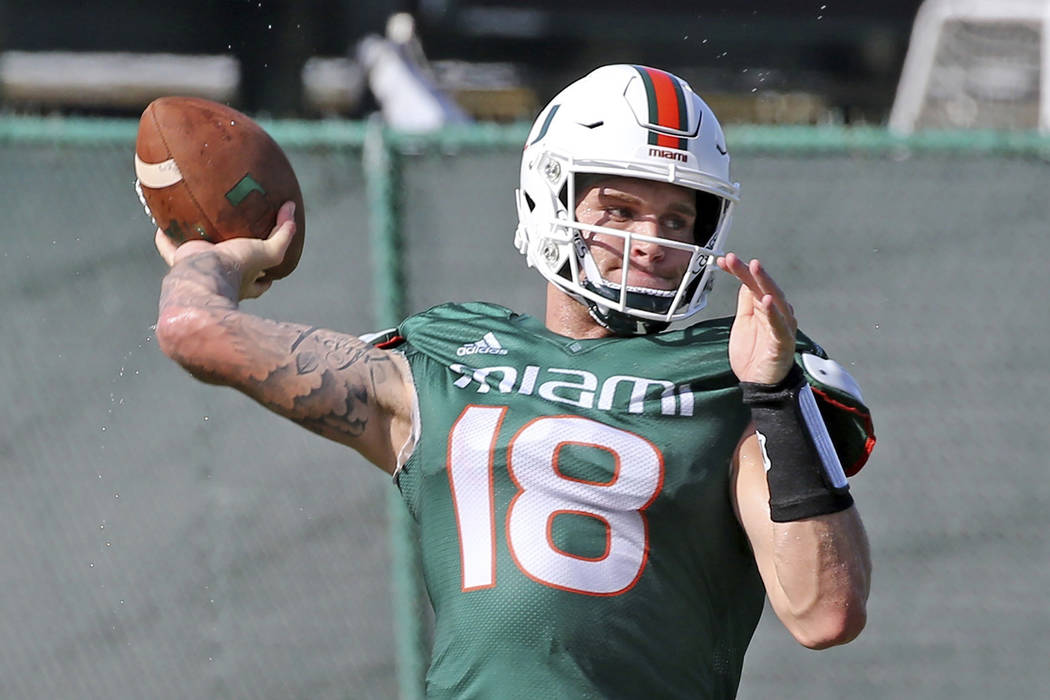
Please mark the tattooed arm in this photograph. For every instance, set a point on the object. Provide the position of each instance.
(328, 382)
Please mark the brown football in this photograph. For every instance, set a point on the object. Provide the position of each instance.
(207, 172)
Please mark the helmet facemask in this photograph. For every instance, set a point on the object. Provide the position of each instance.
(628, 309)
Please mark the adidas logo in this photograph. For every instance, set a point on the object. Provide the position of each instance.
(488, 345)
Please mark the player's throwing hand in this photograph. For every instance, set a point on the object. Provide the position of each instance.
(250, 256)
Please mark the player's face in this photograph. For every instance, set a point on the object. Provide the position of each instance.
(656, 210)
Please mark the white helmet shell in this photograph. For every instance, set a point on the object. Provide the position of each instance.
(628, 121)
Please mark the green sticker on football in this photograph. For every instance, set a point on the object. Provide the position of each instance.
(242, 189)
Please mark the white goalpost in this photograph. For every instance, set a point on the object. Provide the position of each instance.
(976, 64)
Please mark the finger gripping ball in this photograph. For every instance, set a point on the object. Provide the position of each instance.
(207, 172)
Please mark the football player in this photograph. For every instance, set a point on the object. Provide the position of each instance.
(606, 496)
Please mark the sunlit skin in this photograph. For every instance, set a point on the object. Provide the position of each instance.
(816, 571)
(645, 208)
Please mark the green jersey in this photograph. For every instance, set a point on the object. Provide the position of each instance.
(573, 504)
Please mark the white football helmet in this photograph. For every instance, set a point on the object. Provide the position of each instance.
(629, 121)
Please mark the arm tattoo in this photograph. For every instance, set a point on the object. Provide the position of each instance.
(331, 383)
(343, 378)
(328, 382)
(204, 281)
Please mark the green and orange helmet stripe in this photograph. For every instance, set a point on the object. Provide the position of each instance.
(667, 107)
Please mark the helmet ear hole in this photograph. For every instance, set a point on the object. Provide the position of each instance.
(529, 202)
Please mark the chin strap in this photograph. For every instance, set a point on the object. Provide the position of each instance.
(622, 324)
(617, 321)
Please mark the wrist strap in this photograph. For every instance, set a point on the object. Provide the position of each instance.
(803, 470)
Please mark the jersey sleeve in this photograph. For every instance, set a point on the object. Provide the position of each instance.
(841, 405)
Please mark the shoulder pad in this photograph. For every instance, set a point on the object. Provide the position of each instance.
(842, 408)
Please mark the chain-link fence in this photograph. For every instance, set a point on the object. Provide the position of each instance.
(168, 539)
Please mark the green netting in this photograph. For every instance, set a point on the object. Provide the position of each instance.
(336, 134)
(170, 539)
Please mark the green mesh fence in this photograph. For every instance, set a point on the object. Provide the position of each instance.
(168, 539)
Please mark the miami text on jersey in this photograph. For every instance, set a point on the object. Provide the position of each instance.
(578, 387)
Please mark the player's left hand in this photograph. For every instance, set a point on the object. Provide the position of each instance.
(762, 339)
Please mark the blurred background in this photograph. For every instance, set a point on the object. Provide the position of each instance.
(168, 539)
(500, 58)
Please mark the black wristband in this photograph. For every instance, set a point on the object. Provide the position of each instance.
(802, 469)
